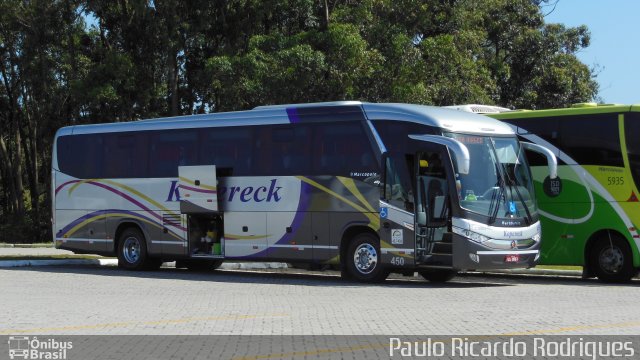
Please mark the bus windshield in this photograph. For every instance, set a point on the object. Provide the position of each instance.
(499, 183)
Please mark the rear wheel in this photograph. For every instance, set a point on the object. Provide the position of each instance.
(611, 259)
(363, 259)
(132, 250)
(438, 276)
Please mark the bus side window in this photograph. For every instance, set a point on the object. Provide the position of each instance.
(395, 192)
(229, 149)
(290, 150)
(545, 128)
(125, 155)
(632, 132)
(342, 148)
(82, 156)
(170, 150)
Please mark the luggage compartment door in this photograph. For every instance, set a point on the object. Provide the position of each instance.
(198, 189)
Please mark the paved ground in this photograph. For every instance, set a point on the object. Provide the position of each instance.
(105, 300)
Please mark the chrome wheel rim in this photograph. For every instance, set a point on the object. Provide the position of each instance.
(611, 260)
(365, 258)
(131, 249)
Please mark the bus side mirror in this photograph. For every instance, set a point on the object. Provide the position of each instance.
(552, 161)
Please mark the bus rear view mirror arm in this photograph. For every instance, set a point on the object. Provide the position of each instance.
(461, 152)
(551, 158)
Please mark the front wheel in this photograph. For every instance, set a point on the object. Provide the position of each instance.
(611, 259)
(363, 259)
(438, 276)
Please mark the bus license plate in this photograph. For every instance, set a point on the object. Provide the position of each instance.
(512, 258)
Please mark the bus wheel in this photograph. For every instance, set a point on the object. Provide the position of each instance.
(200, 264)
(132, 250)
(438, 276)
(611, 259)
(363, 259)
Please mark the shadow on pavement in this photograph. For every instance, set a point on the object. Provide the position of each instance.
(273, 277)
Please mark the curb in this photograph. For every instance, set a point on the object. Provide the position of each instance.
(114, 262)
(253, 266)
(532, 272)
(26, 246)
(22, 263)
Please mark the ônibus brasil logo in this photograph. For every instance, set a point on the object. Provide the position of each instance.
(24, 347)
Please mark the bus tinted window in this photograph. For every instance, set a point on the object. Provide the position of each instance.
(229, 149)
(170, 149)
(290, 150)
(591, 139)
(588, 139)
(632, 132)
(547, 129)
(125, 155)
(81, 156)
(395, 136)
(342, 149)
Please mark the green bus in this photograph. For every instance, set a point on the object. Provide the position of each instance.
(590, 214)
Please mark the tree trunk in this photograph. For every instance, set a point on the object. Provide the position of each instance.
(31, 162)
(9, 173)
(325, 23)
(172, 63)
(17, 167)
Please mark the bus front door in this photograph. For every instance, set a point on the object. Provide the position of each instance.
(433, 247)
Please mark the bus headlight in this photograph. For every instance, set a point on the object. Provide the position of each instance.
(536, 237)
(473, 236)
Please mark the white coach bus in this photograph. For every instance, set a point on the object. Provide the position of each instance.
(371, 188)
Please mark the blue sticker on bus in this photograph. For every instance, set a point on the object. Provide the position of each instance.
(384, 212)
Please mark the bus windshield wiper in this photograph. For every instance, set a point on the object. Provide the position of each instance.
(494, 205)
(512, 184)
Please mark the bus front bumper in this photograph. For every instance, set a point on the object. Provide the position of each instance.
(470, 255)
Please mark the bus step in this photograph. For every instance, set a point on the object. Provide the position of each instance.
(439, 259)
(442, 247)
(429, 266)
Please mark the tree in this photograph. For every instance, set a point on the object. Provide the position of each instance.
(68, 62)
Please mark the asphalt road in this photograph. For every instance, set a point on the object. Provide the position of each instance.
(106, 300)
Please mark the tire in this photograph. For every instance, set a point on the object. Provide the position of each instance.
(199, 264)
(438, 276)
(363, 259)
(611, 260)
(132, 250)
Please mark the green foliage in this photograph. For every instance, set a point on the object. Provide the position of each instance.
(66, 62)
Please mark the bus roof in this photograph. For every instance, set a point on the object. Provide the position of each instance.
(578, 109)
(447, 119)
